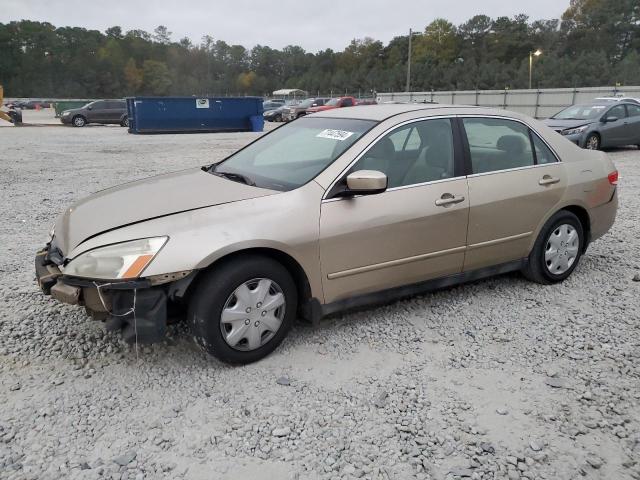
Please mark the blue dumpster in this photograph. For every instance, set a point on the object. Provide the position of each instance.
(191, 114)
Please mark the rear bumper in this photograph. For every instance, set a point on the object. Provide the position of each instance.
(603, 216)
(136, 307)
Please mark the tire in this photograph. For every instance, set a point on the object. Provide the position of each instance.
(543, 265)
(216, 292)
(592, 142)
(79, 121)
(124, 122)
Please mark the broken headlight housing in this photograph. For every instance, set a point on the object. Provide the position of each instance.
(125, 260)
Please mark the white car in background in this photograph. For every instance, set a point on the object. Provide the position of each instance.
(617, 99)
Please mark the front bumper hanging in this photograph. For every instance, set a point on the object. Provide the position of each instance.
(135, 307)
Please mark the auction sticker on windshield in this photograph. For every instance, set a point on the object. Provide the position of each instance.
(334, 134)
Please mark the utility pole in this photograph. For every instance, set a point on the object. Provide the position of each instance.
(409, 63)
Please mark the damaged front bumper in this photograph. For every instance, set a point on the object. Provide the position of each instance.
(136, 307)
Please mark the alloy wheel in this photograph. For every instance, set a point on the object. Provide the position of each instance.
(593, 142)
(252, 314)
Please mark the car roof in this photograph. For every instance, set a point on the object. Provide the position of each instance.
(383, 111)
(602, 103)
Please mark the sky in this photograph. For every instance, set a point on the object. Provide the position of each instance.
(276, 23)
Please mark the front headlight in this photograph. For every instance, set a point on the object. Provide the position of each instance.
(118, 261)
(574, 131)
(66, 113)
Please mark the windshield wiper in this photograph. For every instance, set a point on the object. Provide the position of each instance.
(236, 177)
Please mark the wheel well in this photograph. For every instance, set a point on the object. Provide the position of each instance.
(293, 267)
(583, 216)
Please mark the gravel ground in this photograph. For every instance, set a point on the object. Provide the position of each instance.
(497, 379)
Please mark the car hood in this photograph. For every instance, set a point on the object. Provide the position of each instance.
(558, 124)
(146, 199)
(75, 110)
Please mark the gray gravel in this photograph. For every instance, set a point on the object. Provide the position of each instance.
(500, 379)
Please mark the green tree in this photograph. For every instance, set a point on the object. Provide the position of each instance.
(134, 76)
(156, 77)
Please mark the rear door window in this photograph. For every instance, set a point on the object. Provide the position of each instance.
(498, 144)
(633, 110)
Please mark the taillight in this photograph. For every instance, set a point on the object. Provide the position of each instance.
(613, 178)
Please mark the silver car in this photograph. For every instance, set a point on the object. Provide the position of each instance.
(338, 209)
(599, 125)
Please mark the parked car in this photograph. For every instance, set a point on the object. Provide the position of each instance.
(296, 111)
(599, 124)
(16, 104)
(617, 99)
(33, 104)
(271, 105)
(100, 111)
(335, 210)
(337, 102)
(277, 114)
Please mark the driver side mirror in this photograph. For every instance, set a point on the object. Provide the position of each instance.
(366, 182)
(610, 119)
(89, 107)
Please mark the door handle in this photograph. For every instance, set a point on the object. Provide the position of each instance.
(548, 180)
(448, 199)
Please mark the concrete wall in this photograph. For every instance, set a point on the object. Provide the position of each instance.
(536, 103)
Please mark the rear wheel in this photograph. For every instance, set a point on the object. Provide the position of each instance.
(79, 121)
(593, 142)
(242, 310)
(557, 250)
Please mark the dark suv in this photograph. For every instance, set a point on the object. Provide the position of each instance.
(100, 111)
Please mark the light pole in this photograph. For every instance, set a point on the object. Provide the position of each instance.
(411, 34)
(537, 53)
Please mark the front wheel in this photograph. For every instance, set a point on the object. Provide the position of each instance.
(243, 309)
(557, 250)
(79, 121)
(593, 142)
(124, 122)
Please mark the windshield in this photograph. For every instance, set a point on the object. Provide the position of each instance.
(293, 154)
(333, 102)
(580, 112)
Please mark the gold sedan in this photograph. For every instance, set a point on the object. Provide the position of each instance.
(335, 210)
